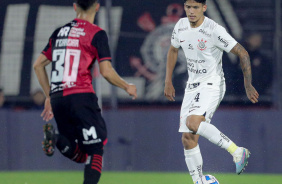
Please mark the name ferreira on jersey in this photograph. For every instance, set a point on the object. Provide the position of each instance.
(67, 42)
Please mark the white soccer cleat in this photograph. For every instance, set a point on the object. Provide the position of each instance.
(241, 159)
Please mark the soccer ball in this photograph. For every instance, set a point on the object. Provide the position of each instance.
(207, 179)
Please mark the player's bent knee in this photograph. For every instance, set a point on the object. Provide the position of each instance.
(193, 126)
(193, 122)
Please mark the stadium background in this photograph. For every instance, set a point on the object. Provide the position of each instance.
(142, 134)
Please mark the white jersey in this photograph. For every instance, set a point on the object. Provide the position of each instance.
(203, 48)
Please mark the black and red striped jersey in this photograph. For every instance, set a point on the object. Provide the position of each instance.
(73, 49)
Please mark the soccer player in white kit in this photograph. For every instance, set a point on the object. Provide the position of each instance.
(203, 42)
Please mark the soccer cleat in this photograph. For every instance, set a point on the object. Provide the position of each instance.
(241, 160)
(48, 143)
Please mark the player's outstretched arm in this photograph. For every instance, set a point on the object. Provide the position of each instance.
(245, 64)
(109, 73)
(169, 90)
(40, 71)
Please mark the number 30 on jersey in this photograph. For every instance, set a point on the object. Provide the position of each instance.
(66, 65)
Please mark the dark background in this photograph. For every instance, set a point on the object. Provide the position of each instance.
(141, 129)
(253, 18)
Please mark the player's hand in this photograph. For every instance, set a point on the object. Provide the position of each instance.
(47, 113)
(252, 93)
(132, 91)
(169, 91)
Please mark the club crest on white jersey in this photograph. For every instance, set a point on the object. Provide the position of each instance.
(202, 44)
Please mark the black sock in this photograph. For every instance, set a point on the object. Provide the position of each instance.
(93, 169)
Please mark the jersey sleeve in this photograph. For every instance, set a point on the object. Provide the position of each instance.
(47, 51)
(223, 39)
(174, 37)
(100, 42)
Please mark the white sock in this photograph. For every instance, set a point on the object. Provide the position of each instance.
(194, 162)
(211, 133)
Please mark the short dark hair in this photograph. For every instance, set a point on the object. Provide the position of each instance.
(198, 1)
(85, 4)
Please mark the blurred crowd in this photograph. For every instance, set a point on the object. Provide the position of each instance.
(2, 98)
(262, 68)
(262, 72)
(36, 101)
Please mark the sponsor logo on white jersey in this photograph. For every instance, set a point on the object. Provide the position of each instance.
(190, 47)
(225, 42)
(182, 29)
(195, 60)
(205, 32)
(197, 71)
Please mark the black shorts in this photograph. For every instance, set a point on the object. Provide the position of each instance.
(78, 118)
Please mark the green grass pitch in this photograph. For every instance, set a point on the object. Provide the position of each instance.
(53, 177)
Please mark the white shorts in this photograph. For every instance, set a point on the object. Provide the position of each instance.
(203, 100)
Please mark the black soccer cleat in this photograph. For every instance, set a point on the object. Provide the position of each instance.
(48, 143)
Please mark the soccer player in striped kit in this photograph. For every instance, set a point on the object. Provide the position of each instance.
(203, 42)
(70, 98)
